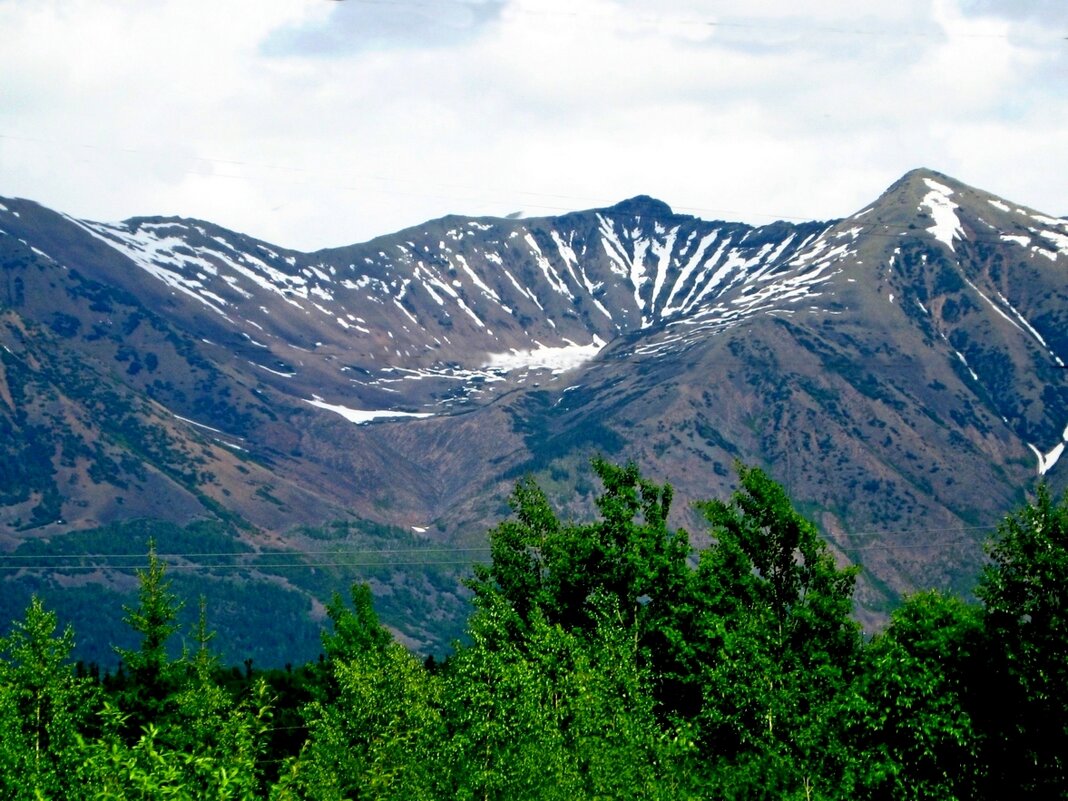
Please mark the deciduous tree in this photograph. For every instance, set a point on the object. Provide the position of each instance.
(1025, 594)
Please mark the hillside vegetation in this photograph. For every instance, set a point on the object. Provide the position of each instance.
(899, 370)
(602, 660)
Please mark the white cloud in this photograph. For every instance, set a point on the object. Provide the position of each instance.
(313, 123)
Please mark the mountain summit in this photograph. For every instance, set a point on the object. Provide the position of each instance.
(898, 370)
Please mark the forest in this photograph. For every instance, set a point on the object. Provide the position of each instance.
(603, 659)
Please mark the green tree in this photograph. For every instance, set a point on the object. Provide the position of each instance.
(377, 730)
(1025, 594)
(193, 741)
(151, 677)
(628, 557)
(44, 708)
(772, 643)
(557, 713)
(540, 564)
(916, 737)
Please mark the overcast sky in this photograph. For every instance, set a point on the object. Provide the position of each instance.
(314, 123)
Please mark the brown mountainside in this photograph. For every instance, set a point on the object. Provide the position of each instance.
(899, 370)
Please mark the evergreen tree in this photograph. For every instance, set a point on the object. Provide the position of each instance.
(150, 675)
(192, 740)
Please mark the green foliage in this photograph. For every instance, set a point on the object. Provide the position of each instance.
(603, 660)
(772, 646)
(212, 751)
(151, 674)
(558, 714)
(378, 730)
(916, 736)
(354, 631)
(753, 651)
(43, 708)
(628, 555)
(1025, 594)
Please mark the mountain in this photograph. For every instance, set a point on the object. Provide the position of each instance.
(900, 371)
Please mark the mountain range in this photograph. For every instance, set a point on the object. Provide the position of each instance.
(900, 371)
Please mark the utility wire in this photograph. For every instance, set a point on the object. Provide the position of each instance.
(400, 557)
(250, 554)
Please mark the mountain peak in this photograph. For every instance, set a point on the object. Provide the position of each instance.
(643, 205)
(918, 181)
(900, 203)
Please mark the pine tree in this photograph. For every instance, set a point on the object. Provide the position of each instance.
(151, 675)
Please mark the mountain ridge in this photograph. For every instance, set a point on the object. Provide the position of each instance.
(896, 369)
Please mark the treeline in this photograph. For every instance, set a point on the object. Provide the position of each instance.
(603, 660)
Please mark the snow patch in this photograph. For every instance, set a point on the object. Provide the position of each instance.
(966, 365)
(1022, 241)
(558, 359)
(1058, 239)
(947, 227)
(361, 416)
(1042, 218)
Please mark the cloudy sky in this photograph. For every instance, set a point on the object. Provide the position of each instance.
(313, 123)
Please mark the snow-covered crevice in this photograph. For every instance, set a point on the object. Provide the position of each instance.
(686, 272)
(552, 277)
(1030, 329)
(967, 366)
(994, 306)
(628, 266)
(161, 250)
(361, 416)
(567, 254)
(663, 252)
(1047, 460)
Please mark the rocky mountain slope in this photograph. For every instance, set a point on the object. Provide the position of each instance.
(899, 370)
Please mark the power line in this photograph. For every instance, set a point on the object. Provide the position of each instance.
(251, 568)
(952, 529)
(408, 557)
(248, 554)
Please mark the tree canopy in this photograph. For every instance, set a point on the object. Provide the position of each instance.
(606, 658)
